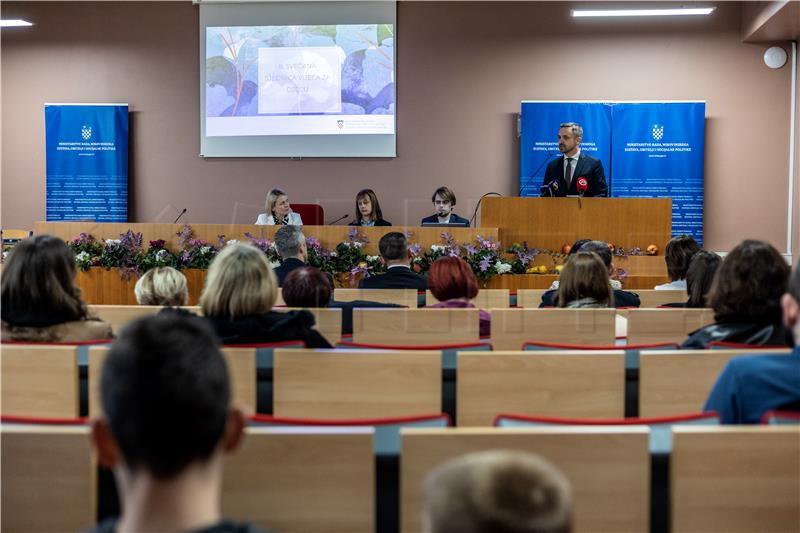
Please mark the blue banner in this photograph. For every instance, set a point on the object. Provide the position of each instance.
(658, 152)
(539, 123)
(87, 162)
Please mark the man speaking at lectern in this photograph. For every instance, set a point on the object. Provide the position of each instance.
(576, 173)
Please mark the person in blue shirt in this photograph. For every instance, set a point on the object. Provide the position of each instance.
(752, 385)
(444, 200)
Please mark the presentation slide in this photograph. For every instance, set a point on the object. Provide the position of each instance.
(299, 80)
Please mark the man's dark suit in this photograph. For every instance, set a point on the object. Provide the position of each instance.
(587, 166)
(454, 219)
(290, 264)
(399, 277)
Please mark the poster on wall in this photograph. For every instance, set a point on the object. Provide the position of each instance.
(658, 152)
(539, 122)
(87, 162)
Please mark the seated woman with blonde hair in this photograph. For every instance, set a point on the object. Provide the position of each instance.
(278, 211)
(584, 283)
(40, 301)
(238, 297)
(162, 286)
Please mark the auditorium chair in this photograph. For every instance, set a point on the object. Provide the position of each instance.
(405, 297)
(735, 478)
(781, 418)
(40, 380)
(327, 321)
(416, 326)
(556, 383)
(325, 384)
(680, 381)
(303, 479)
(530, 298)
(48, 476)
(486, 298)
(608, 468)
(651, 299)
(648, 326)
(312, 214)
(511, 328)
(631, 350)
(660, 427)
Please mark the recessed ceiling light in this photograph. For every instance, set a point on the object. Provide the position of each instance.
(642, 12)
(7, 23)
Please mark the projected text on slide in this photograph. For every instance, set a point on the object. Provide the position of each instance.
(300, 80)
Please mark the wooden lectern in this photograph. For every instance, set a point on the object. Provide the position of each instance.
(549, 223)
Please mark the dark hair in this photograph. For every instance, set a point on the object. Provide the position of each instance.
(446, 194)
(393, 246)
(307, 287)
(678, 254)
(749, 284)
(576, 246)
(165, 392)
(376, 214)
(602, 250)
(699, 276)
(38, 285)
(584, 276)
(498, 491)
(450, 278)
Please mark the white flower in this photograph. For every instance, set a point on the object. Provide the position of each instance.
(232, 241)
(502, 268)
(83, 256)
(373, 258)
(161, 254)
(437, 248)
(113, 241)
(334, 254)
(275, 264)
(5, 254)
(358, 244)
(205, 249)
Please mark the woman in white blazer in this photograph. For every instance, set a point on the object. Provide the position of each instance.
(278, 211)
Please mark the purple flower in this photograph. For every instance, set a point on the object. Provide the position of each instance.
(220, 240)
(353, 233)
(415, 249)
(471, 250)
(184, 235)
(158, 244)
(186, 256)
(485, 264)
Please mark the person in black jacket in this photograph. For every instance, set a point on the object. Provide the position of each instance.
(237, 300)
(291, 245)
(309, 287)
(621, 298)
(368, 210)
(444, 200)
(746, 298)
(393, 248)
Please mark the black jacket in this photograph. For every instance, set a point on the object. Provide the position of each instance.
(269, 327)
(286, 266)
(347, 311)
(741, 333)
(399, 277)
(587, 167)
(454, 219)
(621, 299)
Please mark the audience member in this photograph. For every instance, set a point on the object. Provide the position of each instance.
(40, 301)
(678, 254)
(574, 250)
(497, 492)
(162, 286)
(368, 210)
(278, 211)
(750, 386)
(393, 248)
(699, 276)
(444, 200)
(238, 297)
(745, 296)
(584, 283)
(621, 298)
(291, 245)
(168, 420)
(310, 287)
(453, 283)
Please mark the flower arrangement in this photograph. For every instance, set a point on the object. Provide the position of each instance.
(485, 256)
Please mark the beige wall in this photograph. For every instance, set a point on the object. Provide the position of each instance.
(462, 70)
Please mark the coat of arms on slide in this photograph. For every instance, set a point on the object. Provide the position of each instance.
(340, 123)
(86, 132)
(658, 132)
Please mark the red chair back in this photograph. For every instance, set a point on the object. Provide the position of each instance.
(312, 214)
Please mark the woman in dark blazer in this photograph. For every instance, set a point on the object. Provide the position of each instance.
(368, 210)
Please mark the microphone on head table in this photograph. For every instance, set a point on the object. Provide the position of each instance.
(581, 185)
(339, 219)
(179, 216)
(475, 213)
(535, 172)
